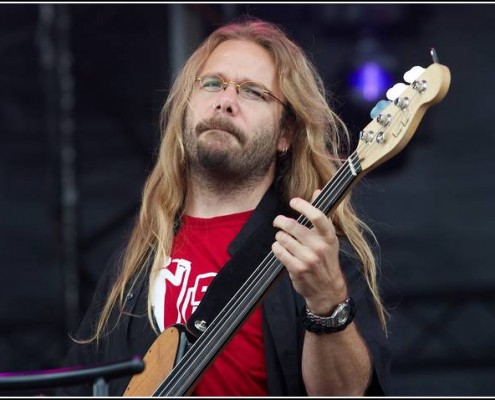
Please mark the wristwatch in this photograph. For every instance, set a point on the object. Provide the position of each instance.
(339, 319)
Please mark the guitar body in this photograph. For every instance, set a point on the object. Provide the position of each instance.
(159, 361)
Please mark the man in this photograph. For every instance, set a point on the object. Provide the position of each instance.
(248, 139)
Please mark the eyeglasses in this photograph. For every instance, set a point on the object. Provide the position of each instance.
(248, 90)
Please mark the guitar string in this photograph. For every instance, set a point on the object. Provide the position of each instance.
(270, 265)
(265, 267)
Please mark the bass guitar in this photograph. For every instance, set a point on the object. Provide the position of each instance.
(173, 365)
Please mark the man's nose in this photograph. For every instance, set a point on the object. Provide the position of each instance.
(228, 99)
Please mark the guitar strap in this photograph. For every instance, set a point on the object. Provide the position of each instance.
(248, 249)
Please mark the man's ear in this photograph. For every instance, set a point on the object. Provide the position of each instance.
(285, 139)
(284, 144)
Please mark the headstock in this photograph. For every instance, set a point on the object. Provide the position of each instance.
(396, 123)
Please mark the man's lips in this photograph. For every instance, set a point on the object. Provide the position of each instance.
(219, 134)
(226, 127)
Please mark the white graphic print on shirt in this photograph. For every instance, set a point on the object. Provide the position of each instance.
(175, 284)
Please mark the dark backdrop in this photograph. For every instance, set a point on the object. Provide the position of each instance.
(80, 91)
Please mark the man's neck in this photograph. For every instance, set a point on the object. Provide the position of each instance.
(206, 201)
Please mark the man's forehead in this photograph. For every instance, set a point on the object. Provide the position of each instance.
(241, 60)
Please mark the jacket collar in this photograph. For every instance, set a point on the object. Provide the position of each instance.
(263, 214)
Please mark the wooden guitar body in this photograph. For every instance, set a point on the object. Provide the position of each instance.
(159, 361)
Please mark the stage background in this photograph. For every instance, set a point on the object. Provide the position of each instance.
(80, 91)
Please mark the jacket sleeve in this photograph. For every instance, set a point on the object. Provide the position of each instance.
(284, 334)
(367, 321)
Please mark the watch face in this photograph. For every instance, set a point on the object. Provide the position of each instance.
(340, 318)
(343, 315)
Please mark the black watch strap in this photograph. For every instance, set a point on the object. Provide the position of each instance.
(340, 318)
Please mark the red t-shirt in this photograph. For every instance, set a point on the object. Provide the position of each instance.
(198, 253)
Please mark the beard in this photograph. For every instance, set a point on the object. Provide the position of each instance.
(230, 157)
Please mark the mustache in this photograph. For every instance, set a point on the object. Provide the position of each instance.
(221, 124)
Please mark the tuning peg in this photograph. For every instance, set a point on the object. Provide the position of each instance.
(395, 91)
(411, 75)
(378, 108)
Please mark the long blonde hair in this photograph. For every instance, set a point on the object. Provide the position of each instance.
(317, 136)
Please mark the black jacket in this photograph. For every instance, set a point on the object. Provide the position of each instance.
(282, 309)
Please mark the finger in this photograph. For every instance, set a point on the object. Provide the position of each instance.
(306, 255)
(317, 218)
(300, 232)
(308, 246)
(284, 256)
(315, 195)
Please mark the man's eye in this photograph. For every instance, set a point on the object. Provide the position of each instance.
(253, 91)
(212, 84)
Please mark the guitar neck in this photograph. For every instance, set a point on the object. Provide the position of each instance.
(204, 350)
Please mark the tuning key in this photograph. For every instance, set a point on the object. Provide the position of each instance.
(378, 108)
(413, 74)
(395, 91)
